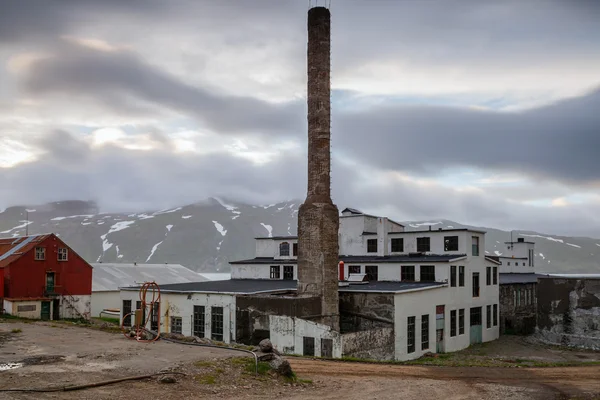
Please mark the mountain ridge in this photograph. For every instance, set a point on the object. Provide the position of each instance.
(205, 236)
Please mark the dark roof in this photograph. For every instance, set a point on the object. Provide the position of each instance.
(493, 259)
(277, 237)
(352, 210)
(362, 259)
(519, 242)
(507, 279)
(365, 233)
(239, 286)
(441, 230)
(391, 287)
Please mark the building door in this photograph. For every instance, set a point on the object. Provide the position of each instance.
(56, 309)
(439, 328)
(476, 327)
(50, 282)
(45, 310)
(154, 317)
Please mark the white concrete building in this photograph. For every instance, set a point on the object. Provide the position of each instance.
(107, 278)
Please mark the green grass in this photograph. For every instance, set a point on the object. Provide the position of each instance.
(115, 321)
(204, 364)
(207, 379)
(16, 330)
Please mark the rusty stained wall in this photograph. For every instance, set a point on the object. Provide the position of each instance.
(374, 344)
(569, 311)
(518, 308)
(252, 314)
(380, 305)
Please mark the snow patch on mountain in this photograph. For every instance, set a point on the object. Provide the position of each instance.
(544, 237)
(167, 211)
(144, 216)
(186, 216)
(169, 227)
(542, 255)
(573, 245)
(269, 228)
(219, 246)
(219, 227)
(225, 205)
(119, 226)
(28, 210)
(424, 224)
(25, 223)
(153, 250)
(86, 223)
(71, 216)
(497, 253)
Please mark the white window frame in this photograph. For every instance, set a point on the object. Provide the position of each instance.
(40, 250)
(63, 254)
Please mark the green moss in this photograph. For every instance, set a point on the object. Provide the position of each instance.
(207, 379)
(16, 330)
(204, 364)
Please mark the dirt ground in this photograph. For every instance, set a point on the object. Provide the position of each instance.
(49, 354)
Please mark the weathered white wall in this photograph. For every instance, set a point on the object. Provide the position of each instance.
(182, 305)
(76, 307)
(287, 335)
(270, 248)
(11, 307)
(453, 298)
(351, 241)
(437, 241)
(374, 344)
(104, 300)
(258, 271)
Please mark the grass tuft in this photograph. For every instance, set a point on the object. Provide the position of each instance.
(16, 330)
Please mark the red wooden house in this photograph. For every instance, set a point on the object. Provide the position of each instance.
(44, 278)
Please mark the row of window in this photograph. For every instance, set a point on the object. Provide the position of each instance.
(517, 264)
(62, 254)
(523, 297)
(288, 272)
(198, 319)
(284, 249)
(475, 314)
(424, 245)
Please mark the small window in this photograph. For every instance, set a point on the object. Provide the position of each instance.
(126, 310)
(397, 245)
(275, 272)
(450, 243)
(453, 323)
(199, 316)
(40, 253)
(284, 249)
(508, 263)
(408, 273)
(475, 245)
(372, 246)
(371, 271)
(427, 273)
(176, 325)
(475, 284)
(354, 269)
(495, 314)
(216, 325)
(495, 274)
(410, 337)
(461, 276)
(423, 244)
(288, 272)
(63, 253)
(488, 276)
(488, 317)
(461, 321)
(295, 250)
(453, 275)
(424, 332)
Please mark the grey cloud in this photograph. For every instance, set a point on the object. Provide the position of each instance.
(558, 142)
(117, 77)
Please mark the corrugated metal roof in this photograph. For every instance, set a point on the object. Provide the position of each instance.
(109, 277)
(240, 286)
(12, 249)
(406, 258)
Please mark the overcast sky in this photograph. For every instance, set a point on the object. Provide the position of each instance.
(484, 112)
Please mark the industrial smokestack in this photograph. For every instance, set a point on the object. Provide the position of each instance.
(318, 217)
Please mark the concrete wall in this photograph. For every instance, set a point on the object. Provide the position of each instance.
(258, 271)
(104, 300)
(270, 248)
(416, 304)
(351, 241)
(518, 306)
(75, 307)
(569, 311)
(182, 305)
(374, 344)
(252, 314)
(379, 305)
(287, 335)
(516, 258)
(12, 308)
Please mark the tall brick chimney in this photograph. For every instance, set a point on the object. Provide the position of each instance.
(318, 217)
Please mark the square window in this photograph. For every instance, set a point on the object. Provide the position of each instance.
(372, 246)
(40, 253)
(354, 269)
(397, 245)
(63, 253)
(372, 272)
(176, 325)
(427, 273)
(423, 244)
(408, 273)
(288, 272)
(450, 243)
(275, 272)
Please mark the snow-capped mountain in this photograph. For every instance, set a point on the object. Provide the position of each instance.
(207, 235)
